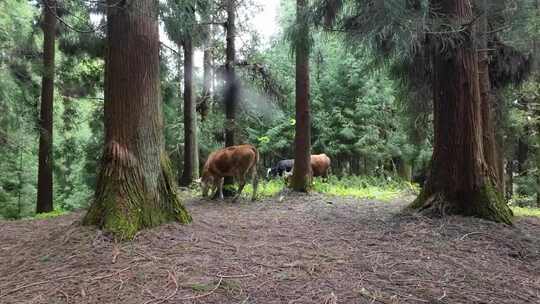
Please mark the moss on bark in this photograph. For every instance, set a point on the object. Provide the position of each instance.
(301, 184)
(122, 206)
(490, 204)
(485, 203)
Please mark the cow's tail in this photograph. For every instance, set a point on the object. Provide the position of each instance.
(254, 175)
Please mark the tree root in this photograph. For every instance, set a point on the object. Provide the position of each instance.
(484, 203)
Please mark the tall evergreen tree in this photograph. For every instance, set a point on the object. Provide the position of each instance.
(45, 173)
(462, 181)
(536, 69)
(181, 25)
(494, 158)
(301, 178)
(208, 15)
(135, 188)
(231, 91)
(191, 148)
(463, 177)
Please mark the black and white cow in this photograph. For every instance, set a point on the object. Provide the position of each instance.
(282, 167)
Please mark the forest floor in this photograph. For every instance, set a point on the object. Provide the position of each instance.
(302, 249)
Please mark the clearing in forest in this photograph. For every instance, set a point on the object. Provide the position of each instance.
(304, 249)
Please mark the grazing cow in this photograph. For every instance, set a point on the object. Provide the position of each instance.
(239, 162)
(282, 166)
(320, 165)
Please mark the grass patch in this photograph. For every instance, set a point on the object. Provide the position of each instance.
(525, 211)
(365, 187)
(201, 287)
(266, 188)
(352, 186)
(52, 214)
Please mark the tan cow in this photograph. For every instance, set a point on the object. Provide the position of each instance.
(239, 162)
(320, 165)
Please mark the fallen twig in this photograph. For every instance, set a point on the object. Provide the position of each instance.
(236, 276)
(203, 295)
(64, 294)
(172, 276)
(35, 284)
(110, 275)
(469, 234)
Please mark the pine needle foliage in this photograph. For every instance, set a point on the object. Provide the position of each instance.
(182, 20)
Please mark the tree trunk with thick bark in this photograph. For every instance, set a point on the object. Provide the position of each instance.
(45, 170)
(461, 181)
(302, 175)
(231, 91)
(191, 151)
(490, 144)
(136, 188)
(536, 70)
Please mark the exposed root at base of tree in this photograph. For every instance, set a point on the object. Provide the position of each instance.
(486, 203)
(122, 205)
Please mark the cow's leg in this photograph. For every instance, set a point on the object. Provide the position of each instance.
(219, 187)
(214, 190)
(255, 181)
(327, 174)
(241, 184)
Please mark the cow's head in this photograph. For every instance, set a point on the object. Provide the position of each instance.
(271, 173)
(206, 181)
(287, 175)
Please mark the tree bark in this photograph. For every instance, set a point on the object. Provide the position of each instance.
(461, 181)
(208, 76)
(302, 175)
(490, 144)
(536, 69)
(45, 170)
(404, 169)
(231, 93)
(191, 155)
(509, 178)
(523, 153)
(136, 188)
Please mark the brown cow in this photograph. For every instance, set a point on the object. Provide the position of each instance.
(320, 166)
(235, 161)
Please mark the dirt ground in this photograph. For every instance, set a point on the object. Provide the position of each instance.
(304, 249)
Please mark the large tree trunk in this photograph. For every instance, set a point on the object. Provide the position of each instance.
(536, 69)
(191, 153)
(45, 171)
(301, 179)
(136, 188)
(231, 91)
(490, 144)
(461, 181)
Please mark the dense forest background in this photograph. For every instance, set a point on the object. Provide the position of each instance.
(367, 115)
